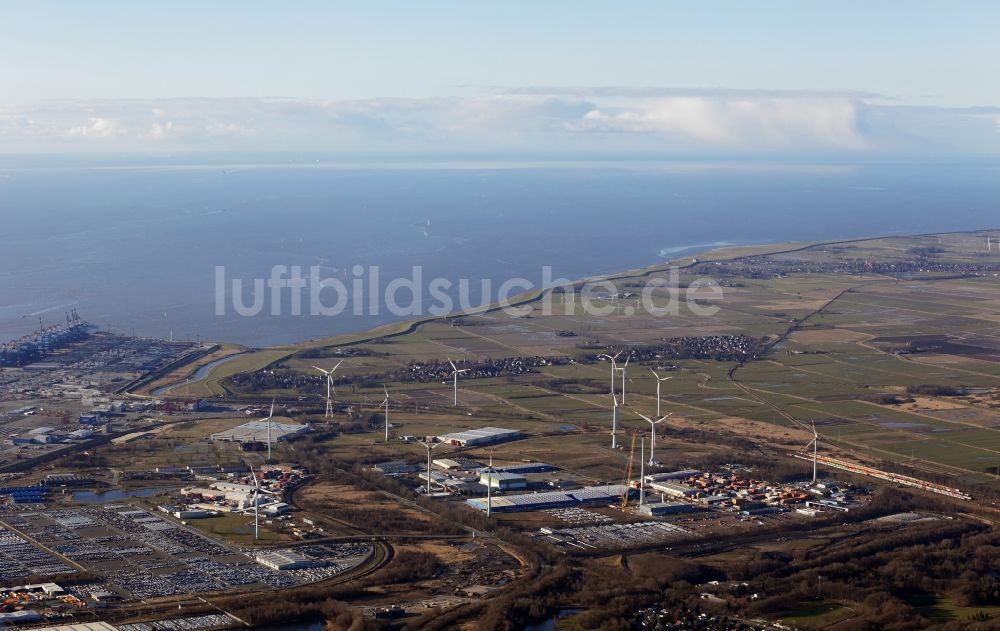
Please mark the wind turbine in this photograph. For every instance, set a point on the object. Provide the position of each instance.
(269, 415)
(455, 372)
(623, 368)
(256, 504)
(385, 404)
(429, 447)
(614, 422)
(612, 360)
(642, 472)
(489, 486)
(814, 443)
(652, 435)
(659, 380)
(329, 387)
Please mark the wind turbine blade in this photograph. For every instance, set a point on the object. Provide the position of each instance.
(337, 366)
(271, 413)
(454, 368)
(320, 369)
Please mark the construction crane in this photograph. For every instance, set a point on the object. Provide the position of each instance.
(628, 474)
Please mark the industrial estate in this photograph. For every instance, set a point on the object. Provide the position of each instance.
(823, 451)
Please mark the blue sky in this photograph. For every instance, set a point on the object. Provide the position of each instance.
(888, 76)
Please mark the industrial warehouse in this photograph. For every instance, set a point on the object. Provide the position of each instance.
(481, 436)
(603, 494)
(288, 560)
(257, 431)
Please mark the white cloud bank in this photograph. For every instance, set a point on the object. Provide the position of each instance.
(746, 122)
(530, 119)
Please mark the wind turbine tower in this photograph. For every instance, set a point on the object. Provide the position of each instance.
(814, 443)
(622, 369)
(489, 486)
(329, 387)
(642, 472)
(256, 503)
(429, 447)
(269, 415)
(455, 372)
(613, 368)
(385, 404)
(614, 422)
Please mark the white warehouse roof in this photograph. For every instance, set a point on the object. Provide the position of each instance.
(256, 431)
(481, 436)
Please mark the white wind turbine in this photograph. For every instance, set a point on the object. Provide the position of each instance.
(652, 435)
(612, 360)
(814, 443)
(622, 369)
(614, 422)
(258, 491)
(429, 447)
(455, 372)
(642, 472)
(385, 404)
(329, 387)
(269, 416)
(489, 486)
(659, 380)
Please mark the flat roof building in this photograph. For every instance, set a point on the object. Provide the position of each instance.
(659, 509)
(287, 560)
(528, 467)
(673, 475)
(256, 432)
(503, 480)
(551, 499)
(674, 490)
(481, 436)
(521, 503)
(457, 463)
(22, 616)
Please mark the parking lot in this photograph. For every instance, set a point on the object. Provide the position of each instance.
(617, 536)
(192, 623)
(19, 558)
(578, 516)
(144, 555)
